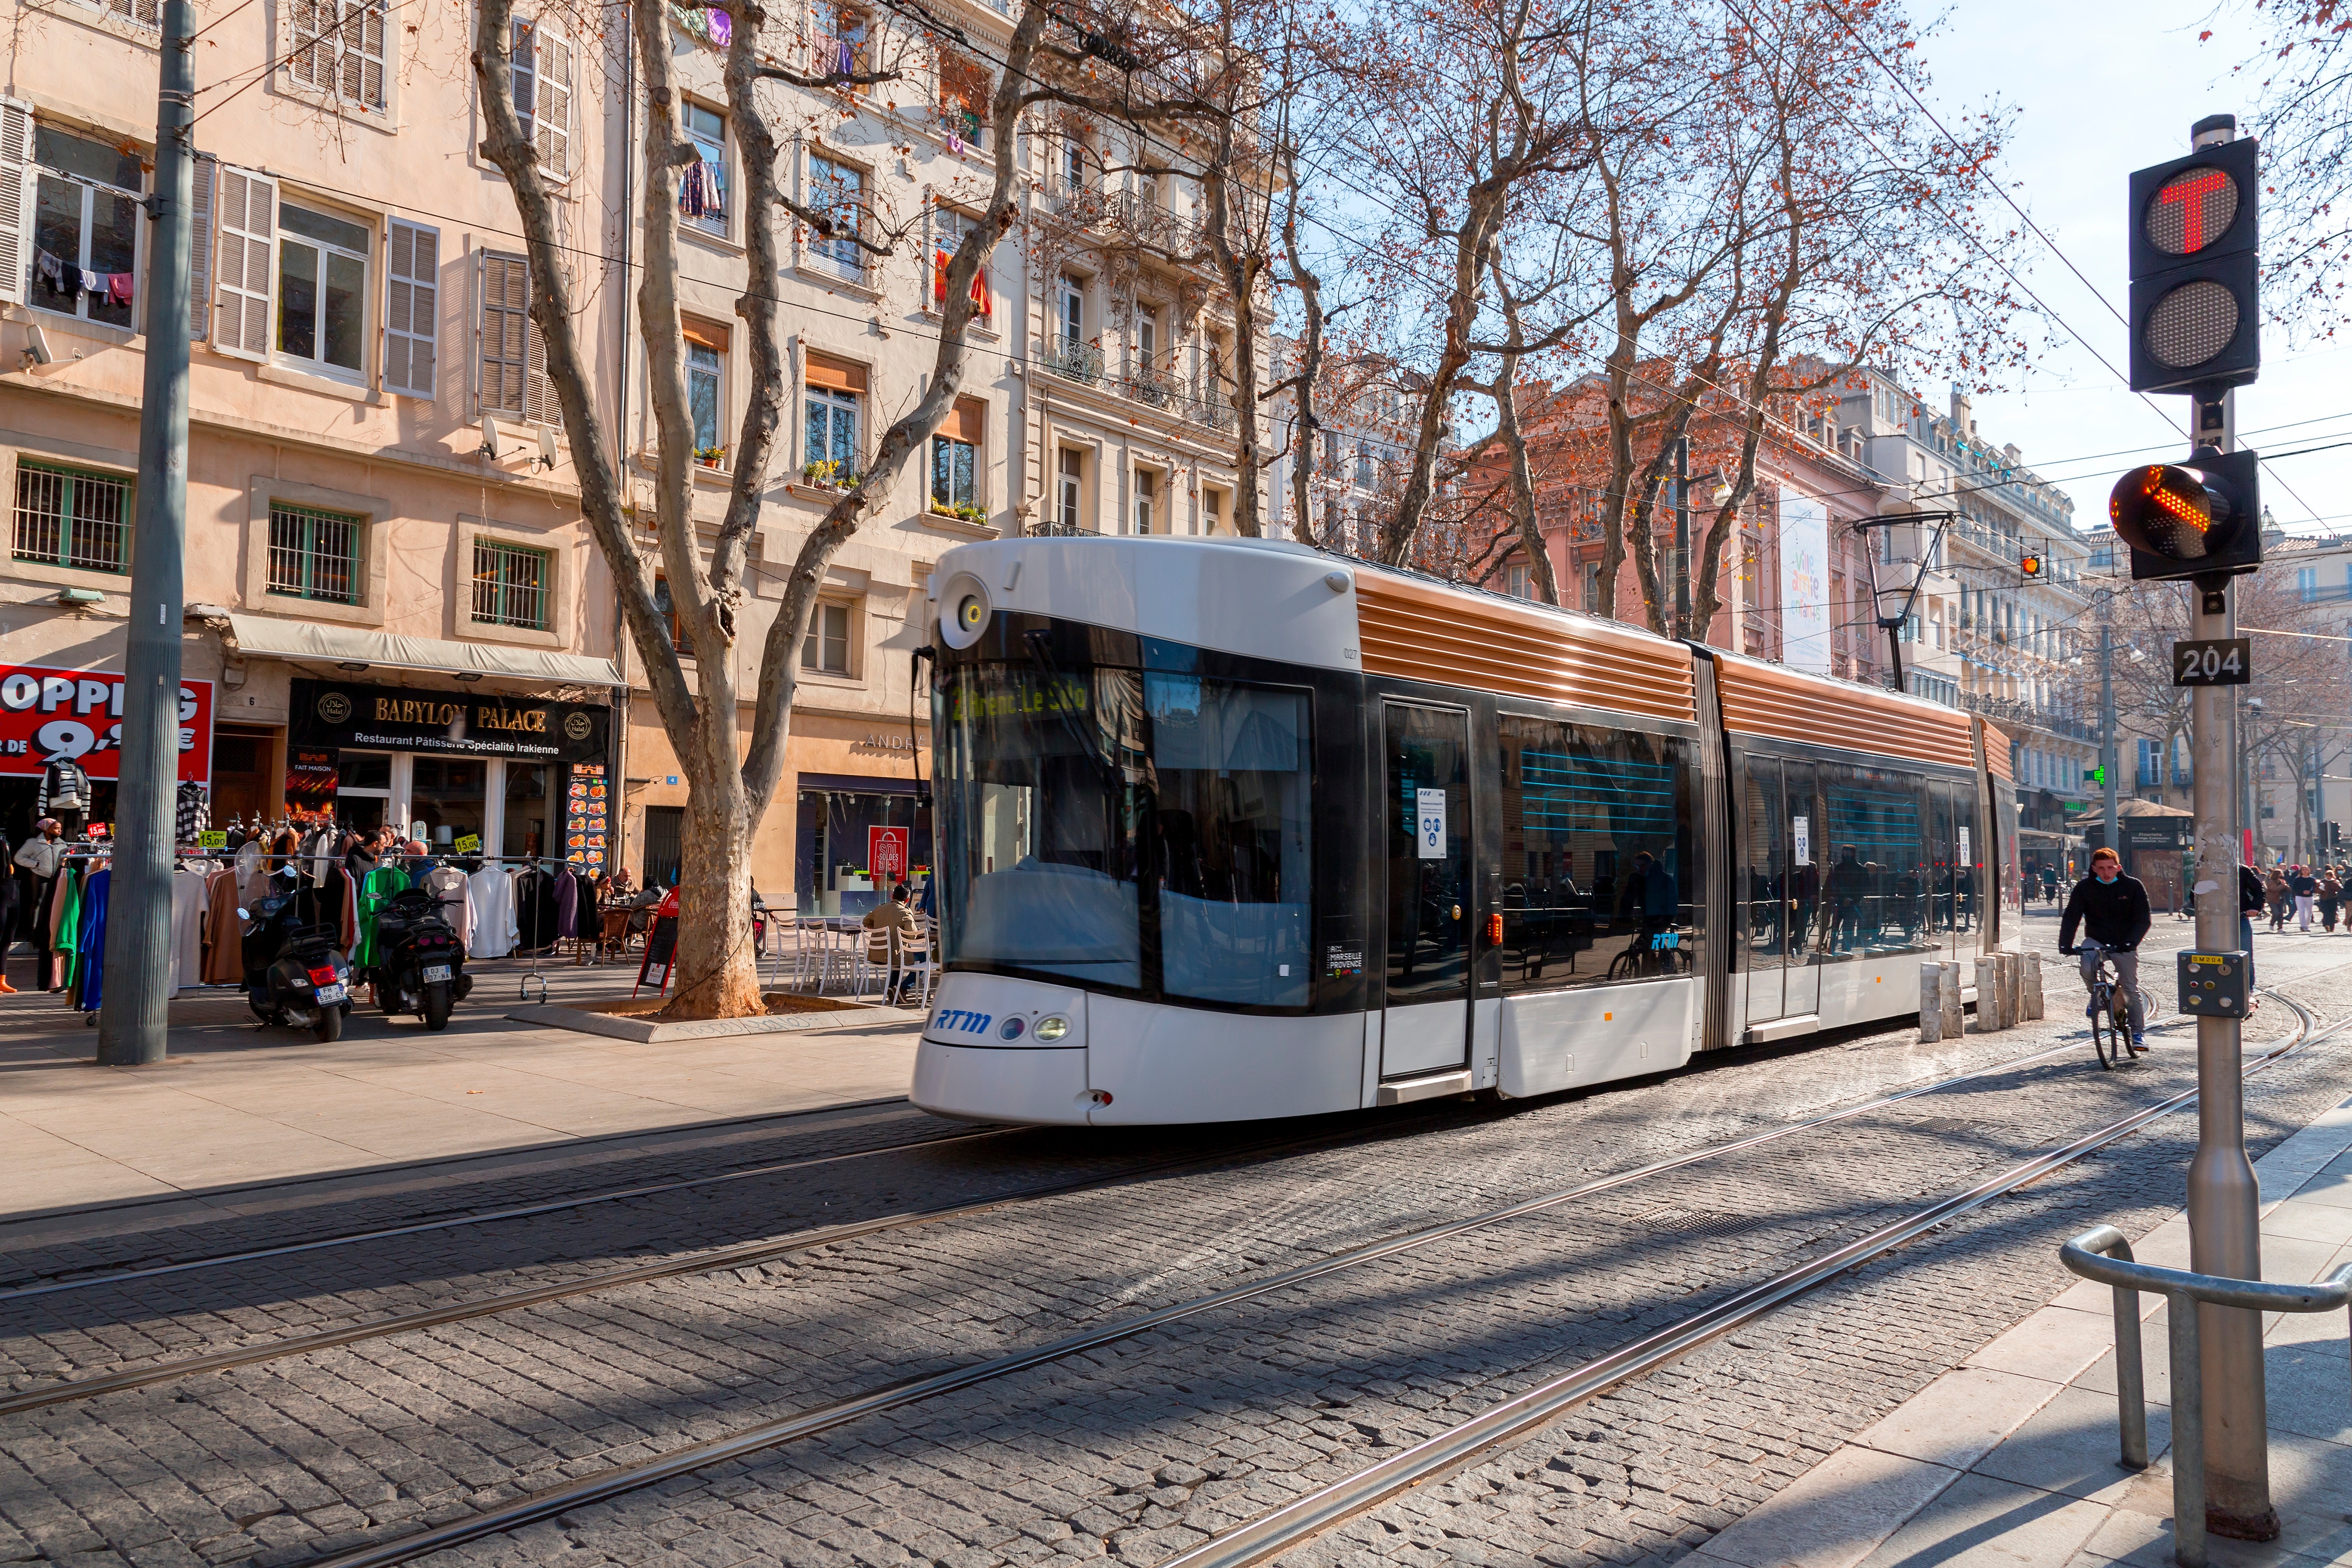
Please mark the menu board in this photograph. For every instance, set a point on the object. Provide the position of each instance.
(585, 808)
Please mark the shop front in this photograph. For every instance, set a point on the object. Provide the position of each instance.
(857, 837)
(486, 773)
(60, 746)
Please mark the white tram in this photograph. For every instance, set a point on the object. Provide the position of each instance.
(1230, 828)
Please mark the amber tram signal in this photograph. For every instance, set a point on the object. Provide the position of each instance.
(2195, 319)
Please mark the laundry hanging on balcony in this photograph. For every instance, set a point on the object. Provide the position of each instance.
(702, 191)
(983, 307)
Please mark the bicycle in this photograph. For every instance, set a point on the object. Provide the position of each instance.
(2110, 1015)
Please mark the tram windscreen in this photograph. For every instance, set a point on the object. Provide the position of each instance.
(1042, 778)
(1076, 806)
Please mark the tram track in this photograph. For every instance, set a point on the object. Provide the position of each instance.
(1278, 1530)
(771, 1248)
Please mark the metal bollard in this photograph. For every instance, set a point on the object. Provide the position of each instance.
(1956, 1020)
(2032, 1008)
(1931, 1004)
(2102, 1254)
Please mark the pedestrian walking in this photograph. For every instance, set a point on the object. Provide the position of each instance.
(2274, 888)
(2331, 897)
(2112, 910)
(2304, 887)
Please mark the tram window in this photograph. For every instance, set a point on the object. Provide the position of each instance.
(1880, 874)
(1043, 780)
(1235, 839)
(1600, 879)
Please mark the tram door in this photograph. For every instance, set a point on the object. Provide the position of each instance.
(1427, 1026)
(1784, 932)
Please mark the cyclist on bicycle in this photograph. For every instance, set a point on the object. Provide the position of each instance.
(2111, 910)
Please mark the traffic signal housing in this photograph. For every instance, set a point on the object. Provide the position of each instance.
(2029, 567)
(2196, 309)
(2198, 518)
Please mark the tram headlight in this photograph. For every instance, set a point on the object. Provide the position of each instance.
(1052, 1029)
(965, 610)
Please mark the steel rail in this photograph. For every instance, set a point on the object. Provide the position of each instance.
(823, 1419)
(486, 1216)
(739, 1256)
(1275, 1531)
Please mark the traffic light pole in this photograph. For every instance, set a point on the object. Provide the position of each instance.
(2108, 745)
(2224, 1195)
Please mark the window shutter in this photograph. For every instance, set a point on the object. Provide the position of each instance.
(505, 288)
(551, 125)
(412, 310)
(201, 177)
(539, 405)
(243, 262)
(18, 201)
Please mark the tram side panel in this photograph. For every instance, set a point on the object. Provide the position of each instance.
(1600, 886)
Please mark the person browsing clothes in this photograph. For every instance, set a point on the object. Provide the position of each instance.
(2112, 910)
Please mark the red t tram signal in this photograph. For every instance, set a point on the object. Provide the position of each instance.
(2195, 313)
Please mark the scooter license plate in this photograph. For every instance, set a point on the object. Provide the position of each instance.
(332, 993)
(434, 971)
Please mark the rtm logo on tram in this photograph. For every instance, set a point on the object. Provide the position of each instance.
(963, 1022)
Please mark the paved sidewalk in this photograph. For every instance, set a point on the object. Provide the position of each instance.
(2010, 1458)
(235, 1104)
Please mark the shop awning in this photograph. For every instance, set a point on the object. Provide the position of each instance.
(267, 636)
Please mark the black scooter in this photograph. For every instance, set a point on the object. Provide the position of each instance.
(293, 973)
(420, 963)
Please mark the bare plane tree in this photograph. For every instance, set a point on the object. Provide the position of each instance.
(731, 778)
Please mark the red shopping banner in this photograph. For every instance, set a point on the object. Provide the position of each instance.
(49, 715)
(886, 856)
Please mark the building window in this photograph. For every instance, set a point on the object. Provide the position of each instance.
(949, 227)
(2306, 583)
(826, 649)
(679, 637)
(1071, 493)
(965, 93)
(837, 46)
(85, 227)
(1213, 510)
(314, 554)
(706, 390)
(67, 518)
(953, 481)
(1522, 582)
(322, 291)
(832, 437)
(510, 585)
(542, 79)
(339, 49)
(838, 191)
(702, 186)
(1147, 496)
(1591, 587)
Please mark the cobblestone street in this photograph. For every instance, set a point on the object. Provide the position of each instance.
(1139, 1445)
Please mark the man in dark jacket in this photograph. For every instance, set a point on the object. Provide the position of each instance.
(2112, 910)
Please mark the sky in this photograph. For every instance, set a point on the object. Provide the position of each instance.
(2101, 88)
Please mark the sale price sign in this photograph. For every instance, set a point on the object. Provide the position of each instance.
(886, 855)
(75, 715)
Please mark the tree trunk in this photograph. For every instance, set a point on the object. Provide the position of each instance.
(717, 966)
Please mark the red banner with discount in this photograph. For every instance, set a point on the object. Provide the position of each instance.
(47, 715)
(886, 856)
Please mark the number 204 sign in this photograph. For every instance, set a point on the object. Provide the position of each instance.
(2211, 662)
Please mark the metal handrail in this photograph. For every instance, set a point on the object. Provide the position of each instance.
(2102, 1254)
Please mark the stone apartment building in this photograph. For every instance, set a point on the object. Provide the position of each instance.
(381, 507)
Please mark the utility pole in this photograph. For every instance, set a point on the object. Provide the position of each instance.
(2108, 748)
(133, 1016)
(1681, 536)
